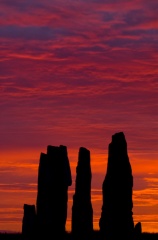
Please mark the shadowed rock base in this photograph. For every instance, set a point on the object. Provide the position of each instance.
(116, 220)
(138, 231)
(29, 222)
(82, 212)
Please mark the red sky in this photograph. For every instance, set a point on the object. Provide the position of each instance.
(74, 73)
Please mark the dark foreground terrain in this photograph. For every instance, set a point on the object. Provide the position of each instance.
(96, 236)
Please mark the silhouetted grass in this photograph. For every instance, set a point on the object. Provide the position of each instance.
(10, 236)
(68, 236)
(149, 236)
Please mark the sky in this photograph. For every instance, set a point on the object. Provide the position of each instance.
(73, 73)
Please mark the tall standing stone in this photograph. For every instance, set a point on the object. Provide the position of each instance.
(116, 216)
(54, 177)
(82, 212)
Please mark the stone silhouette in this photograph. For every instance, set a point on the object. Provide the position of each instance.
(29, 222)
(117, 216)
(82, 212)
(138, 231)
(54, 177)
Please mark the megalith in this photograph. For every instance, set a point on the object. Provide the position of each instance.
(116, 221)
(82, 212)
(54, 178)
(29, 222)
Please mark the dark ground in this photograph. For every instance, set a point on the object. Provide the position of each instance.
(18, 236)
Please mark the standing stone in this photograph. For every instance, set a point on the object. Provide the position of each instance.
(43, 189)
(29, 222)
(82, 212)
(138, 231)
(116, 216)
(54, 177)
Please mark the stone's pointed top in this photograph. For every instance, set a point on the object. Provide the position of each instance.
(28, 206)
(118, 136)
(43, 156)
(50, 147)
(52, 150)
(84, 150)
(84, 153)
(63, 146)
(118, 142)
(43, 160)
(63, 149)
(55, 150)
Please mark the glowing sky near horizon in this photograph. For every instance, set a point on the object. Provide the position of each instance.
(75, 72)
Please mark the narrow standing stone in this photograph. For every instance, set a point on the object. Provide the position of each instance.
(82, 212)
(116, 216)
(29, 222)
